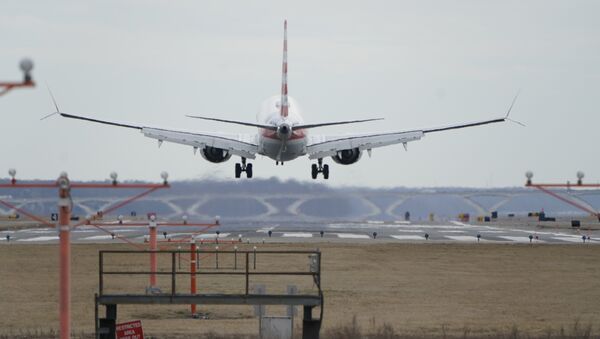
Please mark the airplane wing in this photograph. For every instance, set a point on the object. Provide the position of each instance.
(325, 146)
(243, 145)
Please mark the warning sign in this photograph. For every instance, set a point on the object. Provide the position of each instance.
(130, 330)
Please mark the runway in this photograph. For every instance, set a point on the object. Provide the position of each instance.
(351, 232)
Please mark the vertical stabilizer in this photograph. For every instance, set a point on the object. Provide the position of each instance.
(284, 105)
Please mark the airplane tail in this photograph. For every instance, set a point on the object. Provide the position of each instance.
(284, 105)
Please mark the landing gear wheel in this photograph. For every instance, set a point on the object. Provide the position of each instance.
(249, 171)
(325, 171)
(238, 170)
(314, 171)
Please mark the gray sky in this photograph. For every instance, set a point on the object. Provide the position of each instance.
(416, 63)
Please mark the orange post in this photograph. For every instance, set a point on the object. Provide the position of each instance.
(64, 217)
(153, 249)
(193, 272)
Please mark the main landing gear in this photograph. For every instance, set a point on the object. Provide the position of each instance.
(320, 168)
(239, 168)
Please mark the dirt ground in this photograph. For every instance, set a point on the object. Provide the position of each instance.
(421, 289)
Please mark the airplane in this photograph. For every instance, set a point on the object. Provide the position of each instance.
(283, 135)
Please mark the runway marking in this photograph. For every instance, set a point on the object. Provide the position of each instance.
(97, 237)
(40, 238)
(376, 222)
(410, 231)
(518, 239)
(408, 237)
(38, 231)
(352, 236)
(178, 234)
(492, 232)
(297, 235)
(569, 239)
(452, 231)
(402, 222)
(212, 235)
(84, 231)
(463, 238)
(265, 229)
(437, 226)
(121, 230)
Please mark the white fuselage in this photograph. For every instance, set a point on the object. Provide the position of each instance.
(270, 143)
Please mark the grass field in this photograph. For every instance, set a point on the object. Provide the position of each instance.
(418, 290)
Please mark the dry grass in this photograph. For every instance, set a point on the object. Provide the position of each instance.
(394, 290)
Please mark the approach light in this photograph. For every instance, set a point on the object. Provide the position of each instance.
(235, 248)
(26, 65)
(63, 181)
(580, 176)
(12, 172)
(113, 176)
(217, 219)
(152, 217)
(529, 175)
(120, 218)
(255, 248)
(185, 219)
(164, 175)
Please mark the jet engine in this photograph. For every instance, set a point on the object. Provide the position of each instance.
(214, 154)
(347, 156)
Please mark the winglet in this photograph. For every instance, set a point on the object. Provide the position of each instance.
(55, 105)
(284, 105)
(506, 117)
(512, 104)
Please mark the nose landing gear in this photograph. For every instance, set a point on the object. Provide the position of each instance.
(320, 168)
(243, 167)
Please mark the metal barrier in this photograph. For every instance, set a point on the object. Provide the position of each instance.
(105, 327)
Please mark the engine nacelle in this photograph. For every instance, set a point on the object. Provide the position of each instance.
(347, 156)
(214, 154)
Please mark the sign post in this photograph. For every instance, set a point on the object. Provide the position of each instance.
(64, 211)
(153, 249)
(193, 273)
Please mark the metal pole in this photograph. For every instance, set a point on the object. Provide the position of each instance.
(193, 272)
(153, 249)
(64, 217)
(179, 257)
(235, 258)
(101, 273)
(173, 273)
(217, 257)
(247, 268)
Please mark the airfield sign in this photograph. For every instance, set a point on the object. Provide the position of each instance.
(130, 330)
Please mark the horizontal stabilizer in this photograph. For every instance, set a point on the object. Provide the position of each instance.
(274, 128)
(270, 127)
(334, 123)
